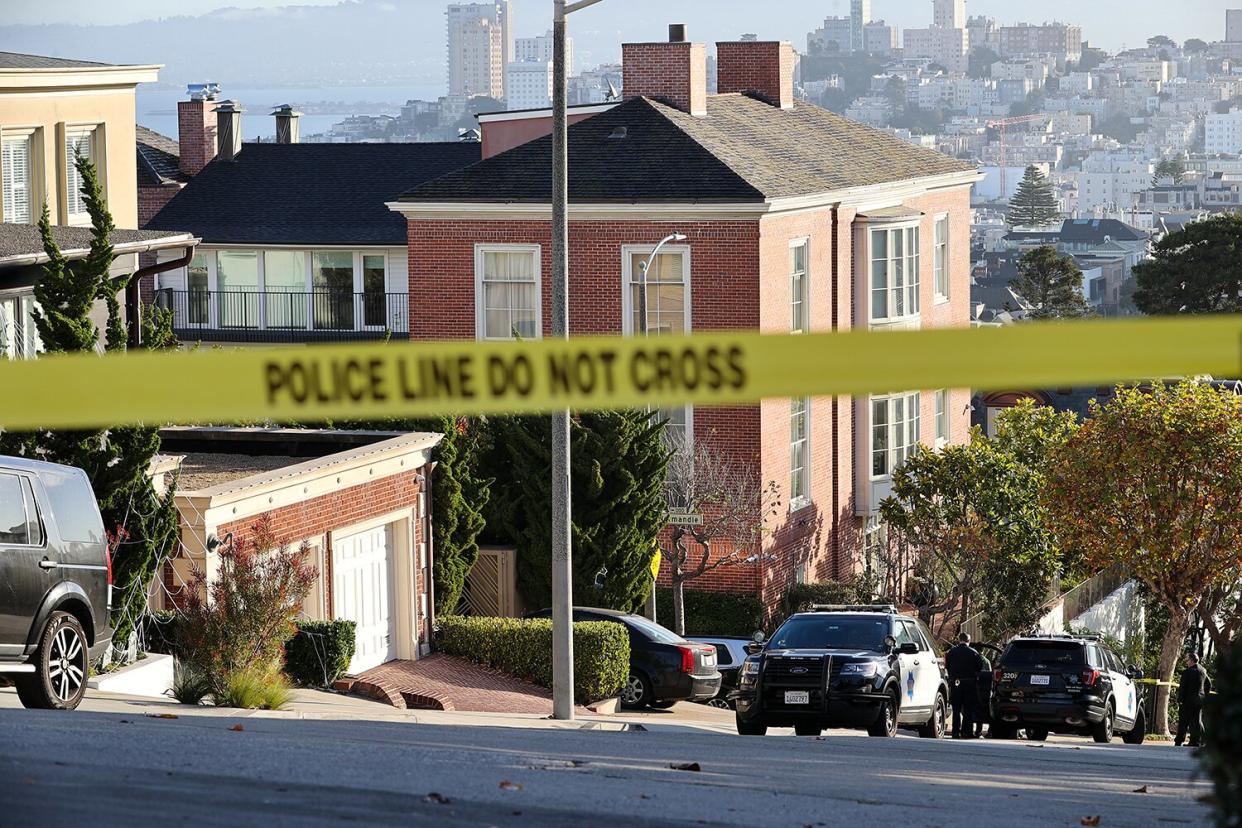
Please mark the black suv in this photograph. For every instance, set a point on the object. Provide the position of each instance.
(1065, 684)
(844, 666)
(55, 582)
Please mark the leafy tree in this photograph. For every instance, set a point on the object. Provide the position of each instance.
(475, 105)
(1194, 45)
(1030, 105)
(1194, 270)
(1092, 57)
(1161, 42)
(1034, 202)
(459, 496)
(141, 524)
(735, 510)
(618, 464)
(1174, 168)
(1119, 127)
(1153, 481)
(1052, 283)
(980, 61)
(974, 513)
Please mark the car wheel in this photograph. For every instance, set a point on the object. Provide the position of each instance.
(1037, 734)
(754, 728)
(59, 680)
(637, 691)
(1139, 732)
(1103, 732)
(885, 725)
(934, 729)
(720, 704)
(807, 729)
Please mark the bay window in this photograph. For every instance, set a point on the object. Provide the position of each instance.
(78, 142)
(895, 423)
(668, 314)
(800, 321)
(507, 292)
(15, 172)
(942, 258)
(894, 273)
(799, 454)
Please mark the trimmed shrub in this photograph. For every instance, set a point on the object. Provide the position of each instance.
(523, 648)
(801, 597)
(320, 652)
(733, 614)
(254, 688)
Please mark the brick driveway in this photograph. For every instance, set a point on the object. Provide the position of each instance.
(440, 682)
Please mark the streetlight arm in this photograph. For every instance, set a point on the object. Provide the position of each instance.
(562, 9)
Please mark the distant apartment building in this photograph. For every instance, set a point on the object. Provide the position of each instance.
(1113, 181)
(860, 16)
(1060, 40)
(879, 38)
(596, 85)
(947, 47)
(983, 32)
(480, 46)
(1233, 25)
(529, 84)
(1222, 133)
(836, 35)
(949, 14)
(1034, 70)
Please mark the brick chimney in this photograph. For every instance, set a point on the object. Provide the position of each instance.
(673, 72)
(196, 129)
(764, 69)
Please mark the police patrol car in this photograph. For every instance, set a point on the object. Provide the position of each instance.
(1065, 684)
(844, 666)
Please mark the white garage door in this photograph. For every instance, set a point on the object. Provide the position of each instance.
(362, 593)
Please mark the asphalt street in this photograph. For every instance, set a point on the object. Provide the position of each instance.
(105, 769)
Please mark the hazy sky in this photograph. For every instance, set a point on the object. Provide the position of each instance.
(1108, 23)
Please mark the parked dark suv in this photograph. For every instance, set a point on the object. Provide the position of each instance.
(1065, 684)
(664, 667)
(844, 666)
(55, 582)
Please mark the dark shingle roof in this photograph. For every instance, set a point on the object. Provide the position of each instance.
(1097, 230)
(19, 241)
(744, 150)
(17, 60)
(159, 158)
(308, 193)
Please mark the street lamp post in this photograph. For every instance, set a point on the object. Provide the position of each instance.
(562, 584)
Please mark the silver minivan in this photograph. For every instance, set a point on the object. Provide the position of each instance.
(55, 582)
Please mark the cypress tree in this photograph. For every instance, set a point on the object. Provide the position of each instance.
(1052, 283)
(1034, 203)
(459, 496)
(141, 524)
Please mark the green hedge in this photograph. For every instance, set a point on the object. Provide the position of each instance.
(523, 648)
(733, 614)
(320, 652)
(800, 597)
(317, 655)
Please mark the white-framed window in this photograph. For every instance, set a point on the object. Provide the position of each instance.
(800, 307)
(78, 141)
(894, 273)
(17, 175)
(237, 288)
(943, 271)
(942, 418)
(895, 424)
(198, 284)
(508, 291)
(799, 452)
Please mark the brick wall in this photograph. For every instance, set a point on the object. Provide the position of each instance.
(196, 132)
(672, 72)
(764, 68)
(152, 199)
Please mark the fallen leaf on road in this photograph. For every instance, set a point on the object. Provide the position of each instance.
(162, 716)
(821, 738)
(506, 785)
(1090, 822)
(688, 766)
(1140, 790)
(237, 728)
(124, 721)
(439, 799)
(643, 796)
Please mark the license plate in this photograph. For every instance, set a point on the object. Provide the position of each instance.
(1040, 680)
(797, 697)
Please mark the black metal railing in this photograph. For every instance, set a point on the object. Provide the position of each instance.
(269, 316)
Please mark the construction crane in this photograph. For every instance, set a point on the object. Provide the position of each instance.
(1003, 124)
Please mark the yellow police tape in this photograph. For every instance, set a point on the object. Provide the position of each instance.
(413, 379)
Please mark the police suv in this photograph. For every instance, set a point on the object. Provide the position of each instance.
(844, 666)
(1065, 684)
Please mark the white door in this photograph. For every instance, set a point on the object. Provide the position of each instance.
(362, 593)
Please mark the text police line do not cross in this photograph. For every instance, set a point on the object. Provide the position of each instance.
(378, 380)
(464, 378)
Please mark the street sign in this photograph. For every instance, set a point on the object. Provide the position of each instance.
(676, 519)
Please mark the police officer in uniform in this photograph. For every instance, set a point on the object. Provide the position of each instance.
(964, 664)
(1192, 690)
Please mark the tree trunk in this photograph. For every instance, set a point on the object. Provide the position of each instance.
(1170, 651)
(679, 604)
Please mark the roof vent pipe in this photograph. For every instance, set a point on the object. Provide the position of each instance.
(228, 130)
(287, 131)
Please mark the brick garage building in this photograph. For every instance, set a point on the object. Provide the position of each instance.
(363, 512)
(796, 220)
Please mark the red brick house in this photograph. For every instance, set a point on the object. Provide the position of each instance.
(795, 219)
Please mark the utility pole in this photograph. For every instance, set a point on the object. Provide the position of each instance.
(562, 572)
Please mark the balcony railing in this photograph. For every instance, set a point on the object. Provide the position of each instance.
(258, 316)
